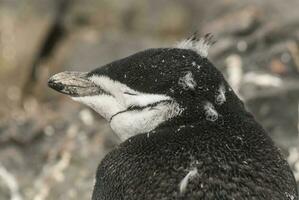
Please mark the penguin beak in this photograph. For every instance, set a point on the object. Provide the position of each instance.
(75, 84)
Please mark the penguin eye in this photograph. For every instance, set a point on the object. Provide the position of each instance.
(128, 93)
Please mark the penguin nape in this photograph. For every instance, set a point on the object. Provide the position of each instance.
(186, 134)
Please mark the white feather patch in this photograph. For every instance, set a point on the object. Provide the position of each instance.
(187, 81)
(134, 122)
(221, 98)
(103, 104)
(211, 113)
(184, 182)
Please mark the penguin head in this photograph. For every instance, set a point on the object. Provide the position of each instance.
(138, 93)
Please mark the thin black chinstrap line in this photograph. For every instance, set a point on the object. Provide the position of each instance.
(134, 108)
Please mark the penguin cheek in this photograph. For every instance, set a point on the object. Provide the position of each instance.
(105, 105)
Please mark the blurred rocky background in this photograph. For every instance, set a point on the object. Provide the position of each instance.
(50, 146)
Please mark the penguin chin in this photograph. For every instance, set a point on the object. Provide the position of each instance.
(133, 122)
(105, 105)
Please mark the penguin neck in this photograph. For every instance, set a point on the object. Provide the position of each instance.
(227, 113)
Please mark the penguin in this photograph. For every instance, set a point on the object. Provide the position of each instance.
(185, 133)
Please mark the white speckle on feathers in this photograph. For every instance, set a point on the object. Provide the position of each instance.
(195, 65)
(187, 81)
(199, 45)
(184, 182)
(289, 196)
(220, 98)
(211, 113)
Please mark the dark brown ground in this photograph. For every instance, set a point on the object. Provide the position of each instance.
(50, 146)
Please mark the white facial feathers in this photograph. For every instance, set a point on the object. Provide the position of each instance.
(121, 92)
(115, 107)
(199, 45)
(105, 105)
(128, 124)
